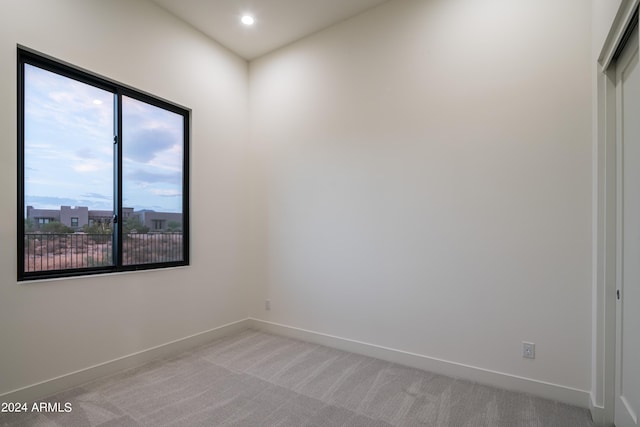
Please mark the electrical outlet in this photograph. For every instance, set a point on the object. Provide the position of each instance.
(528, 350)
(267, 304)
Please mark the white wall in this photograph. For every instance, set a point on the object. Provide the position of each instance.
(425, 169)
(52, 328)
(603, 14)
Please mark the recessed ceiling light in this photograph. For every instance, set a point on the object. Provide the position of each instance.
(247, 20)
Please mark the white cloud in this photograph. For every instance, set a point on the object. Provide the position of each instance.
(166, 193)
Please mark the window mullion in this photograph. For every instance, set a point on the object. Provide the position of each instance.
(117, 183)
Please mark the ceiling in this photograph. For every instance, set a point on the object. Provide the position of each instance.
(277, 22)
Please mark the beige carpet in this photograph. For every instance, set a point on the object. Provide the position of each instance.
(257, 379)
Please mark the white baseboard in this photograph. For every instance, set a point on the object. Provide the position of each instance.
(55, 385)
(600, 416)
(483, 376)
(543, 389)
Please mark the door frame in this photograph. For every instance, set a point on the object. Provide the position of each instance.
(605, 221)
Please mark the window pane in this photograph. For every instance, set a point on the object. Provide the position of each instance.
(152, 151)
(68, 172)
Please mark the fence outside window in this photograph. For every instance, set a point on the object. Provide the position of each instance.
(46, 252)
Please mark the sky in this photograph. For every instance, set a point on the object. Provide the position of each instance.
(69, 129)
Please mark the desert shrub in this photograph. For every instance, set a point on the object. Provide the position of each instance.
(56, 227)
(173, 226)
(99, 232)
(134, 225)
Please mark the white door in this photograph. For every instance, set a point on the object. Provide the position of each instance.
(627, 403)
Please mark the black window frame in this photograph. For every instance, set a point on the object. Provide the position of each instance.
(28, 56)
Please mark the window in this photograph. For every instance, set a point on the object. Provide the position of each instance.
(157, 224)
(112, 153)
